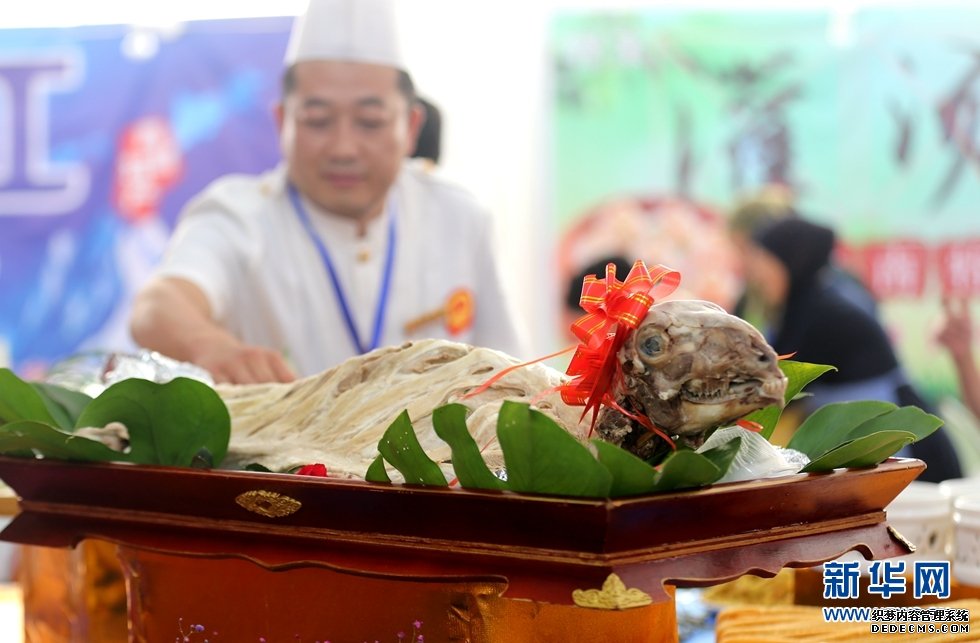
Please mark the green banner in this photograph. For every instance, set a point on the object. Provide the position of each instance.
(870, 119)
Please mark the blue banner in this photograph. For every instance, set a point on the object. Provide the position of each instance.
(105, 133)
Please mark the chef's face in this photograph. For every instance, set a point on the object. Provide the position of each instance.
(344, 129)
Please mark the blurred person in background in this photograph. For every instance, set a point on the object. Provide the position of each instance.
(788, 263)
(769, 205)
(428, 148)
(345, 246)
(772, 204)
(956, 334)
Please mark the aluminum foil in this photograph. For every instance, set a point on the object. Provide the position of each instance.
(92, 372)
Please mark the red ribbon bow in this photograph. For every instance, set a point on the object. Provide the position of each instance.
(613, 310)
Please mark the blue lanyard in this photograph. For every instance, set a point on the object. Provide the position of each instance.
(379, 314)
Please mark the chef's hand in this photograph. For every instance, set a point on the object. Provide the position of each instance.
(171, 315)
(232, 362)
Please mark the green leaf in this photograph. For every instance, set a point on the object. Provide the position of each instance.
(29, 436)
(255, 466)
(400, 447)
(865, 451)
(631, 476)
(907, 418)
(830, 425)
(376, 472)
(449, 422)
(798, 375)
(877, 438)
(684, 469)
(21, 401)
(168, 423)
(542, 457)
(64, 405)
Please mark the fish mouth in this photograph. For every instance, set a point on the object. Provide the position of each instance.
(739, 389)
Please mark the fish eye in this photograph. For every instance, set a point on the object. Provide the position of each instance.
(651, 345)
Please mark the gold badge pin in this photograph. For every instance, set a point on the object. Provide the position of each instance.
(457, 314)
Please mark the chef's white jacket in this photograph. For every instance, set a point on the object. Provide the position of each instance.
(243, 244)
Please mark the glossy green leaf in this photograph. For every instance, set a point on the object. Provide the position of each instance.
(168, 423)
(400, 447)
(684, 469)
(21, 401)
(64, 405)
(832, 424)
(907, 418)
(798, 375)
(865, 451)
(255, 466)
(541, 457)
(449, 422)
(631, 476)
(376, 472)
(17, 438)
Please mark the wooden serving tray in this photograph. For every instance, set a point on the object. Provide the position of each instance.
(543, 547)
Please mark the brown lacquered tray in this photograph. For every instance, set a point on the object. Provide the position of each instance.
(544, 547)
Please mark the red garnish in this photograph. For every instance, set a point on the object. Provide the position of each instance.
(318, 470)
(749, 425)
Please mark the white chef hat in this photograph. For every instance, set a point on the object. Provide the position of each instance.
(351, 30)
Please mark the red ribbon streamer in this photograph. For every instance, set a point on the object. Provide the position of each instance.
(497, 376)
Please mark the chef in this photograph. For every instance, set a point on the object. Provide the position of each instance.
(343, 248)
